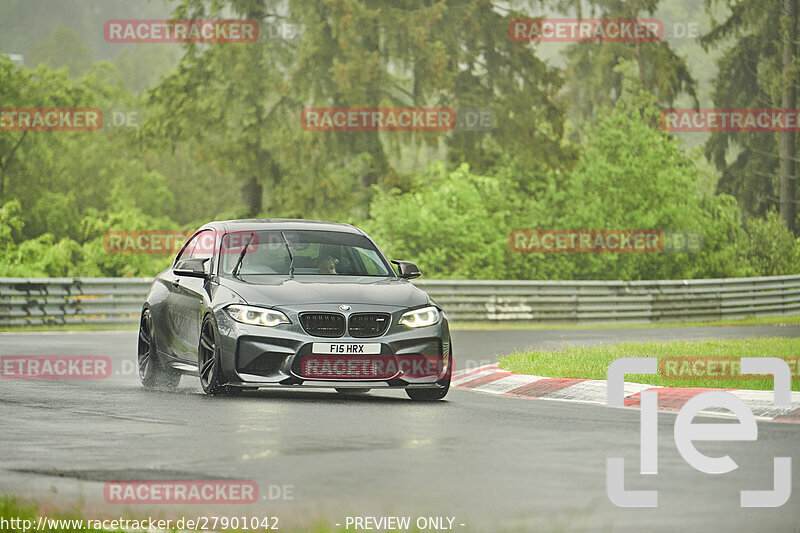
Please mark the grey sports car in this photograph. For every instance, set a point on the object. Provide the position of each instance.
(292, 303)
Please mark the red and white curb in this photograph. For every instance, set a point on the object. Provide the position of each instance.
(492, 379)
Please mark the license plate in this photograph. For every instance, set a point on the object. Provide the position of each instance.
(346, 348)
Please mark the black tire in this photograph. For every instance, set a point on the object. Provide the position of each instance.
(352, 392)
(152, 372)
(208, 362)
(432, 394)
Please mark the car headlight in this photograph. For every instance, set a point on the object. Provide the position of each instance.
(427, 316)
(257, 316)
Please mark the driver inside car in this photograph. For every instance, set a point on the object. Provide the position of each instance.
(327, 265)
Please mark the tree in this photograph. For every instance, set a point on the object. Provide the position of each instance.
(629, 175)
(591, 80)
(757, 70)
(239, 105)
(65, 47)
(27, 156)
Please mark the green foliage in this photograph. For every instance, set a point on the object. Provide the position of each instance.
(630, 175)
(231, 113)
(751, 36)
(61, 191)
(772, 249)
(10, 223)
(592, 82)
(450, 225)
(353, 54)
(64, 48)
(592, 362)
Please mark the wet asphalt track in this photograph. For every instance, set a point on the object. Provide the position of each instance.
(495, 463)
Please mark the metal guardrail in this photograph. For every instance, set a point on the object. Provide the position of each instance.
(42, 301)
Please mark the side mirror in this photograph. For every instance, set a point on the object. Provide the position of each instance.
(407, 269)
(191, 268)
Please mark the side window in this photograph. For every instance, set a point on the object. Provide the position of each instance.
(371, 261)
(204, 247)
(201, 245)
(186, 253)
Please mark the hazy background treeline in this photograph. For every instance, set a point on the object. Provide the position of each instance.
(576, 142)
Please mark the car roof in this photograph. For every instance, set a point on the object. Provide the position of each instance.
(253, 224)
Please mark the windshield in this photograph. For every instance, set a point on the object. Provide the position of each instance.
(328, 253)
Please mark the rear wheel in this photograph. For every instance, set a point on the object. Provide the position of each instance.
(152, 373)
(208, 362)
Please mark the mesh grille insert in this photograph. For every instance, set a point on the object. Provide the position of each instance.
(323, 324)
(363, 325)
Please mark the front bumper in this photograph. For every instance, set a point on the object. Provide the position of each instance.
(281, 356)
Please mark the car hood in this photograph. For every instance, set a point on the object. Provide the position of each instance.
(259, 290)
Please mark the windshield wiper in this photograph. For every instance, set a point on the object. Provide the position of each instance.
(291, 256)
(238, 265)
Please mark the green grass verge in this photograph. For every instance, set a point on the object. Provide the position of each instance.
(592, 362)
(526, 324)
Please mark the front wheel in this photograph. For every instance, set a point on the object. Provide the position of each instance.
(428, 395)
(152, 373)
(208, 361)
(433, 393)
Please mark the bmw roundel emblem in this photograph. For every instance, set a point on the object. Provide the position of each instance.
(344, 307)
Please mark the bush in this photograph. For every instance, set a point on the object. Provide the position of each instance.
(772, 250)
(630, 175)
